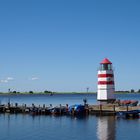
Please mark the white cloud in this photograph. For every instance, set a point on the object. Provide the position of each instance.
(9, 78)
(4, 81)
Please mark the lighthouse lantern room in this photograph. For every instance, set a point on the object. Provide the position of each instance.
(106, 86)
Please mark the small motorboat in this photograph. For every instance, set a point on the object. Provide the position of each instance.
(77, 110)
(34, 111)
(129, 103)
(128, 114)
(59, 110)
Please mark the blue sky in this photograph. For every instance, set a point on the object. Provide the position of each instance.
(58, 44)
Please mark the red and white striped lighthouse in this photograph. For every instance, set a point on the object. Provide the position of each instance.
(106, 86)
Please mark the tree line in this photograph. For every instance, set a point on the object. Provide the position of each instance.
(128, 91)
(31, 92)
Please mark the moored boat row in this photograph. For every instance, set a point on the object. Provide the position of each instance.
(74, 110)
(34, 110)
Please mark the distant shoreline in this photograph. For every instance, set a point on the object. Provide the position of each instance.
(41, 93)
(59, 93)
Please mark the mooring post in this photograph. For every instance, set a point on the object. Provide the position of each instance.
(73, 111)
(8, 105)
(23, 108)
(33, 106)
(60, 110)
(87, 110)
(67, 107)
(114, 108)
(16, 104)
(127, 108)
(100, 109)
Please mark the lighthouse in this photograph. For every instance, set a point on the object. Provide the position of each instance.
(106, 86)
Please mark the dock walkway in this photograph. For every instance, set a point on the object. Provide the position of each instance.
(103, 110)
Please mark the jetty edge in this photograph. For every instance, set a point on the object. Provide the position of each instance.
(74, 110)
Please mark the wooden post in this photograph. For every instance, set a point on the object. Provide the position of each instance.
(8, 104)
(86, 109)
(114, 108)
(60, 110)
(73, 112)
(16, 104)
(127, 108)
(100, 109)
(67, 108)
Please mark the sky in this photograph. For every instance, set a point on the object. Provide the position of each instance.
(58, 45)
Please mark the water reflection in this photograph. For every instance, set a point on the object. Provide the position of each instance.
(106, 128)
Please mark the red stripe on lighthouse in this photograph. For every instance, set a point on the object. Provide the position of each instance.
(106, 83)
(105, 75)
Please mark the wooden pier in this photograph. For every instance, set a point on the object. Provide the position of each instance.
(98, 110)
(111, 109)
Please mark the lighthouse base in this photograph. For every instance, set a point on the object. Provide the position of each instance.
(107, 101)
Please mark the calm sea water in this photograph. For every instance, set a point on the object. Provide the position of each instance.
(27, 127)
(60, 99)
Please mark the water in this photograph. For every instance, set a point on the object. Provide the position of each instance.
(59, 99)
(24, 127)
(47, 99)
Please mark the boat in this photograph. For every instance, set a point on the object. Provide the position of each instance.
(129, 103)
(128, 114)
(77, 110)
(62, 110)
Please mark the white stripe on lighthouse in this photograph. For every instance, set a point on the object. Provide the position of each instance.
(105, 72)
(106, 79)
(105, 87)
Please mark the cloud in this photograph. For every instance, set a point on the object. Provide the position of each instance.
(34, 78)
(4, 81)
(9, 78)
